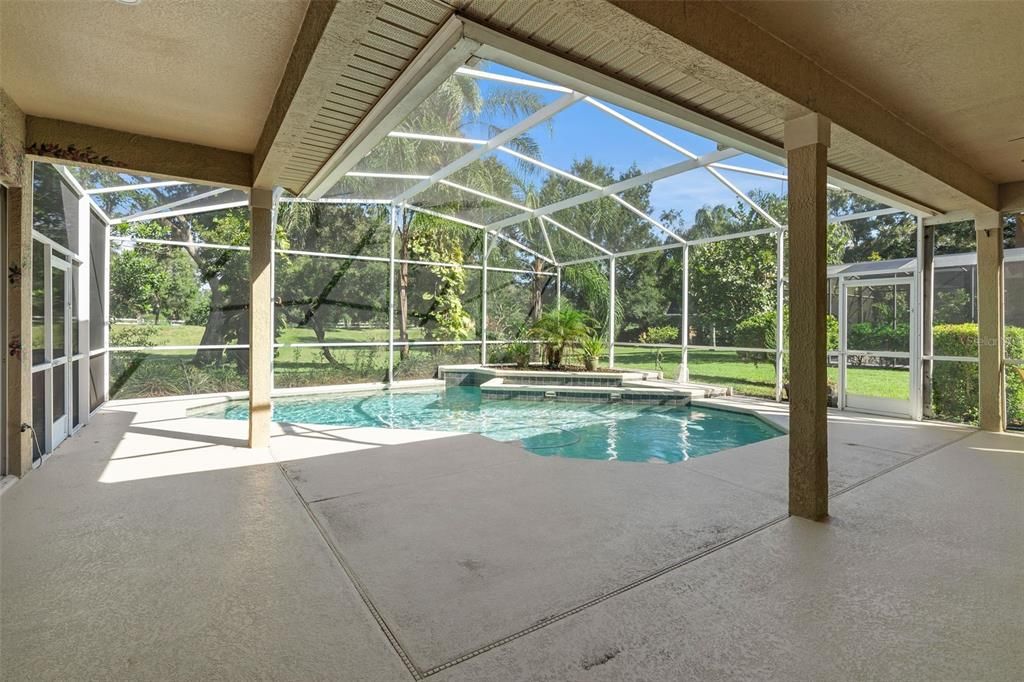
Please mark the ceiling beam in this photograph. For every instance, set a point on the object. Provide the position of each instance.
(743, 55)
(1011, 197)
(81, 144)
(433, 65)
(328, 38)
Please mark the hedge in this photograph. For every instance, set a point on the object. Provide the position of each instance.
(758, 331)
(878, 337)
(955, 384)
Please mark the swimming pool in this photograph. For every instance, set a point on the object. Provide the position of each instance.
(604, 431)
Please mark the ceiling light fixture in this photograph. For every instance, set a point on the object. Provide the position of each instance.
(128, 2)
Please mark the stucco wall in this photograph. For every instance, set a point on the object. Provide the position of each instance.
(12, 141)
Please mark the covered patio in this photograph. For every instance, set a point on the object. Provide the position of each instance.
(746, 212)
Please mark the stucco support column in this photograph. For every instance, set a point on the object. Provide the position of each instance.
(261, 316)
(18, 346)
(807, 140)
(991, 379)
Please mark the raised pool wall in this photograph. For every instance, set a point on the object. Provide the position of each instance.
(582, 387)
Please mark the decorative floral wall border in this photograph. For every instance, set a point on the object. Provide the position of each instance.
(70, 153)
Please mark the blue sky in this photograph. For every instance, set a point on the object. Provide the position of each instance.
(584, 130)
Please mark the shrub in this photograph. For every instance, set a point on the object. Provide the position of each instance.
(758, 331)
(878, 337)
(955, 384)
(561, 330)
(666, 334)
(353, 366)
(517, 353)
(138, 375)
(132, 336)
(591, 350)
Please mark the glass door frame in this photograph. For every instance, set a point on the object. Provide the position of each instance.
(883, 406)
(60, 428)
(56, 258)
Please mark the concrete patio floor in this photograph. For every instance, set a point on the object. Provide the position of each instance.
(153, 546)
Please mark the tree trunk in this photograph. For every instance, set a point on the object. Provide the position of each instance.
(216, 327)
(537, 299)
(309, 318)
(240, 356)
(321, 336)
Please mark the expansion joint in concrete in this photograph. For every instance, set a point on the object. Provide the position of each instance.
(418, 674)
(605, 597)
(350, 574)
(899, 465)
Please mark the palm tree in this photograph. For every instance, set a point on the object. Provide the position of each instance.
(456, 103)
(531, 231)
(561, 330)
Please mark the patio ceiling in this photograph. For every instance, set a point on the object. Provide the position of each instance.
(490, 169)
(552, 170)
(942, 66)
(618, 40)
(206, 73)
(198, 72)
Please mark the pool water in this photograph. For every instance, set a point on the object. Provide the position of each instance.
(606, 431)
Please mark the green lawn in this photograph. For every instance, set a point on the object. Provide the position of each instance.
(747, 378)
(192, 335)
(307, 366)
(161, 372)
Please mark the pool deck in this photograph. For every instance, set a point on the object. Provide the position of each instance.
(154, 546)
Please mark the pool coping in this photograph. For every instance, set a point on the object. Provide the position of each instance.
(775, 417)
(208, 399)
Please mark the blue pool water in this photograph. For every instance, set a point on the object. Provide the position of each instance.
(607, 431)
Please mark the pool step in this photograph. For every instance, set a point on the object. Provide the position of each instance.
(640, 386)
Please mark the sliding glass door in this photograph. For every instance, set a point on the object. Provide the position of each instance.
(54, 349)
(60, 338)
